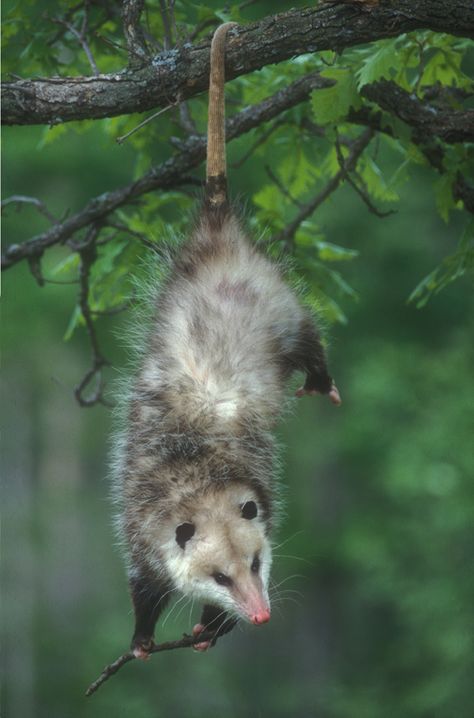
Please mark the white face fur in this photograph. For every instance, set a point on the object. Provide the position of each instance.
(220, 554)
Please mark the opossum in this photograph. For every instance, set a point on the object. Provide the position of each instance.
(195, 466)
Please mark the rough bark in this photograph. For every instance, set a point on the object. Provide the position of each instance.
(181, 73)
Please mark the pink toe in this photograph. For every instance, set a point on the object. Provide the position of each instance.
(197, 629)
(141, 654)
(201, 647)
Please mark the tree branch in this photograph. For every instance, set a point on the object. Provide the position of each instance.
(287, 234)
(88, 252)
(132, 30)
(461, 189)
(171, 173)
(360, 188)
(20, 199)
(80, 37)
(112, 668)
(426, 119)
(181, 73)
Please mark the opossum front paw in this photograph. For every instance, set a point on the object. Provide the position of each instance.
(142, 647)
(333, 393)
(199, 628)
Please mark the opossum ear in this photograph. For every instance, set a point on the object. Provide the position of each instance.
(249, 510)
(183, 533)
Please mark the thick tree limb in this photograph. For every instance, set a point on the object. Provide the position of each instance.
(167, 175)
(178, 74)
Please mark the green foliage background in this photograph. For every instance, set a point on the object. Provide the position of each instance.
(374, 600)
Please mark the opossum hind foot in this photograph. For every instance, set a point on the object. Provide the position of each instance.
(333, 393)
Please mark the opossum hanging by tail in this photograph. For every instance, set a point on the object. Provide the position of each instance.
(195, 466)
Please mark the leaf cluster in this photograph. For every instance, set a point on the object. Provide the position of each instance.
(282, 167)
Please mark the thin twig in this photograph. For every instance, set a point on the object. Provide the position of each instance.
(135, 235)
(112, 43)
(287, 234)
(209, 22)
(111, 312)
(24, 199)
(168, 44)
(133, 31)
(81, 40)
(360, 190)
(284, 190)
(67, 15)
(124, 137)
(260, 141)
(87, 252)
(112, 668)
(186, 119)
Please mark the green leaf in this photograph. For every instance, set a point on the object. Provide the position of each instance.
(110, 274)
(375, 181)
(297, 172)
(75, 321)
(332, 103)
(450, 269)
(67, 265)
(266, 198)
(444, 195)
(329, 252)
(378, 64)
(341, 284)
(445, 68)
(331, 310)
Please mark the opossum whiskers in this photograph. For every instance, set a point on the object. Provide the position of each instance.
(173, 609)
(286, 579)
(278, 598)
(275, 547)
(295, 558)
(184, 607)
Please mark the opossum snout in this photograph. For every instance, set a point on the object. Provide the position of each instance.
(261, 617)
(256, 608)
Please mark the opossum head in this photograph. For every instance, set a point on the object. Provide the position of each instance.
(220, 553)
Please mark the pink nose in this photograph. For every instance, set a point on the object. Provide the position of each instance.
(261, 617)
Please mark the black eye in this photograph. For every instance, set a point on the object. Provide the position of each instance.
(249, 510)
(255, 565)
(222, 579)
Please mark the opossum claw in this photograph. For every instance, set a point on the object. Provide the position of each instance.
(201, 647)
(335, 396)
(142, 648)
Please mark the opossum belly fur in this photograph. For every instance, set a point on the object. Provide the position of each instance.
(228, 333)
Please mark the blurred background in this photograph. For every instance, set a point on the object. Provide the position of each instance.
(373, 575)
